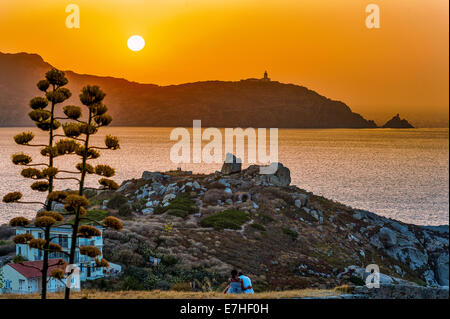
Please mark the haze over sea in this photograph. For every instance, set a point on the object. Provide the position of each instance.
(401, 174)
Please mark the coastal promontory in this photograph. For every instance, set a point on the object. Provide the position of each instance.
(397, 122)
(245, 103)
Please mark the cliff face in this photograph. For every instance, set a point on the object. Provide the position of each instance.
(216, 103)
(397, 122)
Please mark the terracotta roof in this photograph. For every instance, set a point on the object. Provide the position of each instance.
(33, 269)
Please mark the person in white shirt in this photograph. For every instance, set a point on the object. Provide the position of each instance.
(247, 283)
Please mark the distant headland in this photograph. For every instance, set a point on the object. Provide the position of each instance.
(246, 103)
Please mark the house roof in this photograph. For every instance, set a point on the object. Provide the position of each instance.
(33, 269)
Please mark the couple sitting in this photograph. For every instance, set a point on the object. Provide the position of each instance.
(238, 284)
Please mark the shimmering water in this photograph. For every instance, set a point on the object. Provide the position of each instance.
(402, 174)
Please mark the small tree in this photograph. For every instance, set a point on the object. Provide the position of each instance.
(75, 202)
(43, 114)
(79, 132)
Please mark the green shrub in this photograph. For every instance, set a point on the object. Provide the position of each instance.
(183, 202)
(159, 210)
(6, 231)
(117, 201)
(178, 213)
(125, 210)
(19, 259)
(162, 285)
(132, 283)
(291, 233)
(95, 214)
(266, 219)
(357, 281)
(230, 219)
(7, 247)
(258, 227)
(89, 193)
(169, 260)
(139, 204)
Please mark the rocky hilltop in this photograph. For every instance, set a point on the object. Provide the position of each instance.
(397, 122)
(247, 103)
(285, 237)
(183, 227)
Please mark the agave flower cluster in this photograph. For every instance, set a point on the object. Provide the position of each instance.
(73, 141)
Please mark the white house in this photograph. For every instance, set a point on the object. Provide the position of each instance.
(87, 265)
(22, 279)
(26, 277)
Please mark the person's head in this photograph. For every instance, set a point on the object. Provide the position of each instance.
(240, 273)
(234, 273)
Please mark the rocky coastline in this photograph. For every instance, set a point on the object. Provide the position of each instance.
(282, 236)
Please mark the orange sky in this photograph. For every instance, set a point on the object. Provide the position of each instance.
(324, 45)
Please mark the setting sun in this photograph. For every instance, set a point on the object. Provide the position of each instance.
(136, 43)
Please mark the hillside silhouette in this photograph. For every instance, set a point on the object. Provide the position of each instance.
(245, 103)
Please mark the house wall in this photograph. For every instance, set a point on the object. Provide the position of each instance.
(32, 285)
(12, 281)
(82, 261)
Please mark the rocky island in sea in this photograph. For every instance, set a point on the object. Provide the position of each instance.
(199, 226)
(397, 122)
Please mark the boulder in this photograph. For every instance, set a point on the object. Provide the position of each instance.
(147, 211)
(416, 258)
(231, 165)
(442, 270)
(387, 237)
(157, 187)
(169, 197)
(172, 188)
(223, 182)
(429, 277)
(57, 207)
(196, 185)
(300, 200)
(282, 177)
(212, 196)
(152, 176)
(124, 187)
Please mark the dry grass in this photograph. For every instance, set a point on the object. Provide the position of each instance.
(157, 294)
(345, 289)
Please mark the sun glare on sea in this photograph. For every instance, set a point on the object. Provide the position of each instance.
(136, 43)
